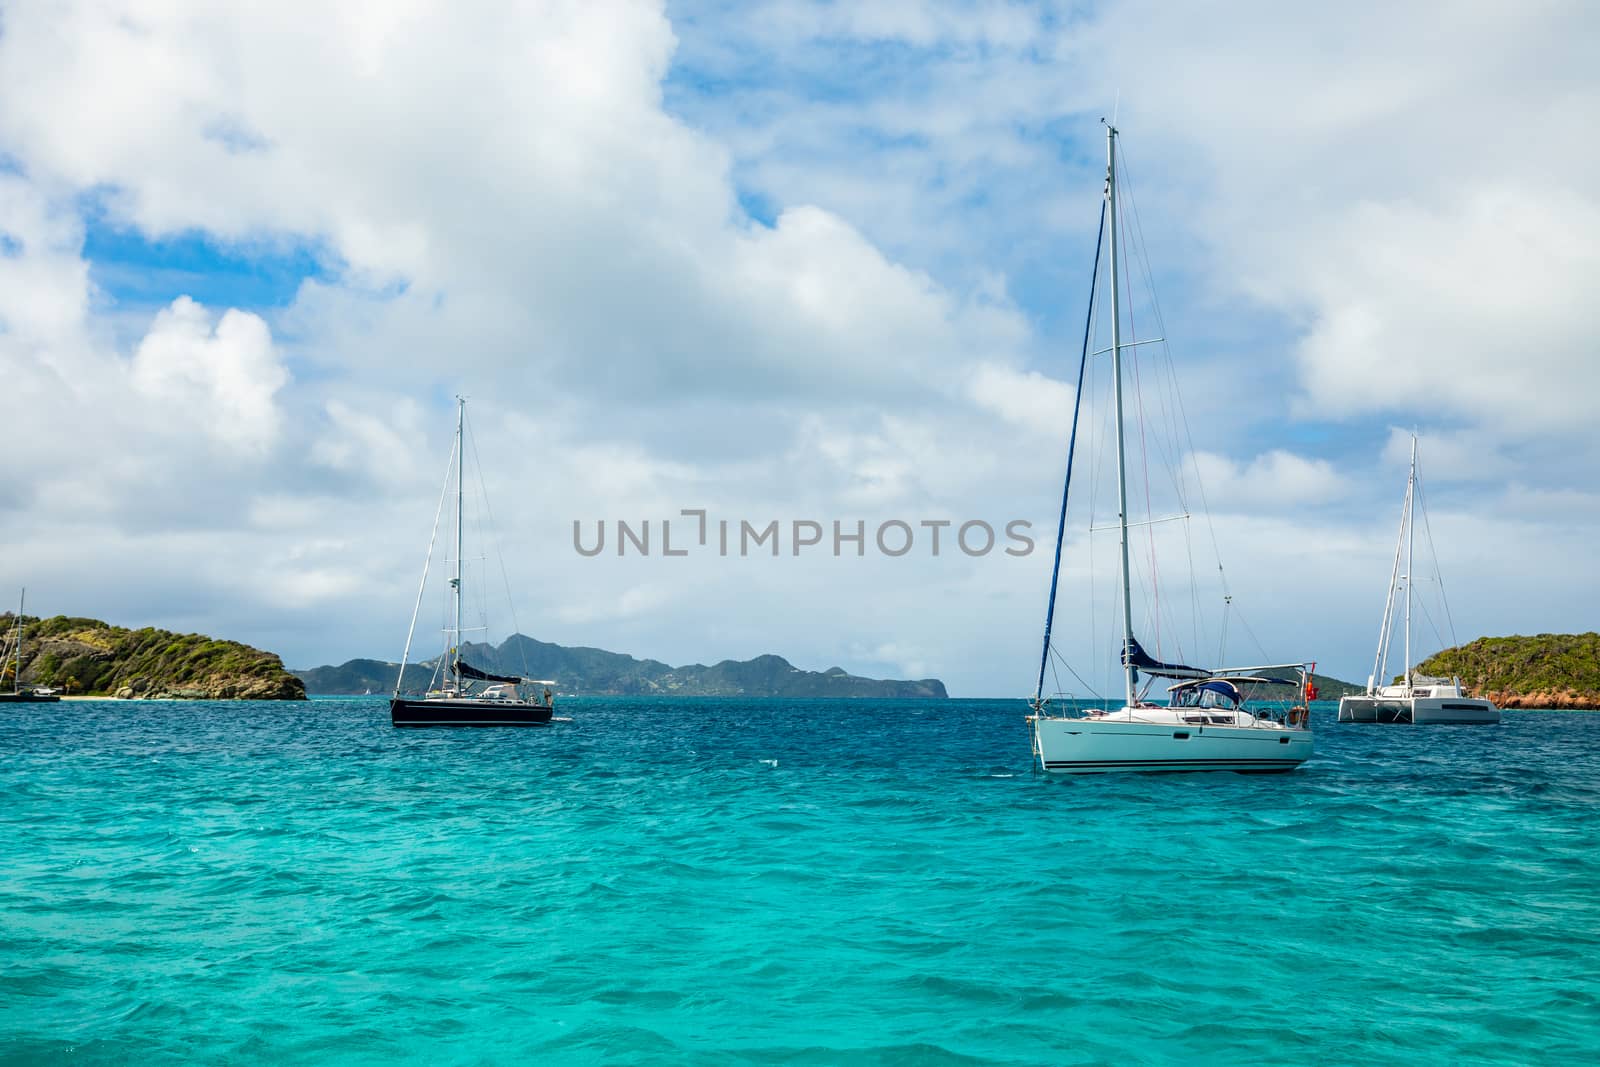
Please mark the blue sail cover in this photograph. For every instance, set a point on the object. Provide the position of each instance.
(1134, 655)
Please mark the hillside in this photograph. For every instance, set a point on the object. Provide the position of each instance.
(89, 657)
(1542, 671)
(1332, 688)
(596, 671)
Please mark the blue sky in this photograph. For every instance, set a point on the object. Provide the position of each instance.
(134, 270)
(783, 260)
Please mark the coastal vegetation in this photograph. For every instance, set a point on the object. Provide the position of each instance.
(92, 658)
(1332, 688)
(1541, 671)
(596, 671)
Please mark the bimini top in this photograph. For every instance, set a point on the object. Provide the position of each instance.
(1232, 681)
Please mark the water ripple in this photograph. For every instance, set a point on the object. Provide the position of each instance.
(735, 882)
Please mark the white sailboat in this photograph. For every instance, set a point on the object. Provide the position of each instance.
(460, 694)
(1208, 722)
(11, 663)
(1417, 699)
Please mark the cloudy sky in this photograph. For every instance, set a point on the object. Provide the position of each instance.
(786, 260)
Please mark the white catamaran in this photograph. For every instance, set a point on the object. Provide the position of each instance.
(1210, 720)
(458, 693)
(1416, 698)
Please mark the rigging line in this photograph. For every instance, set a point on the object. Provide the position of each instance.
(1183, 414)
(1081, 681)
(494, 537)
(423, 585)
(1056, 677)
(1142, 258)
(1194, 587)
(1438, 574)
(1422, 605)
(1072, 445)
(1096, 430)
(1252, 634)
(479, 536)
(1144, 463)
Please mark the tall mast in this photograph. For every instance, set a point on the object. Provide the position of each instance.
(1129, 671)
(1411, 540)
(1380, 661)
(16, 679)
(461, 441)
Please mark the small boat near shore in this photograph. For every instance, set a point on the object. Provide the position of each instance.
(1415, 699)
(11, 663)
(459, 694)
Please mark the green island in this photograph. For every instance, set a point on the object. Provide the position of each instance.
(1541, 671)
(87, 657)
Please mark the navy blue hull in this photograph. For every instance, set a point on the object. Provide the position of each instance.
(409, 711)
(26, 698)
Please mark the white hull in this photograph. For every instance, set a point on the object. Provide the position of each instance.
(1158, 740)
(1420, 711)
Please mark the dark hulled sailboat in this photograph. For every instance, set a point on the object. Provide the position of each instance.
(460, 694)
(498, 703)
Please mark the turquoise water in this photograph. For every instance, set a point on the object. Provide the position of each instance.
(730, 882)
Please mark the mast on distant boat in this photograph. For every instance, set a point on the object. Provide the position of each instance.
(1404, 548)
(455, 583)
(1411, 541)
(416, 608)
(16, 679)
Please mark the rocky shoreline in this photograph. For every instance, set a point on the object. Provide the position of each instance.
(1547, 700)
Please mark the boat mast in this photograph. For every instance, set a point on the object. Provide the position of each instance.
(16, 679)
(1411, 540)
(1380, 662)
(1129, 671)
(455, 583)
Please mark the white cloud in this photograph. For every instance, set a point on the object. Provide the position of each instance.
(1445, 456)
(1471, 307)
(1027, 398)
(1409, 189)
(381, 446)
(634, 602)
(1276, 480)
(224, 376)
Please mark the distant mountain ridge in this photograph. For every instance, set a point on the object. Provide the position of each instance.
(595, 671)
